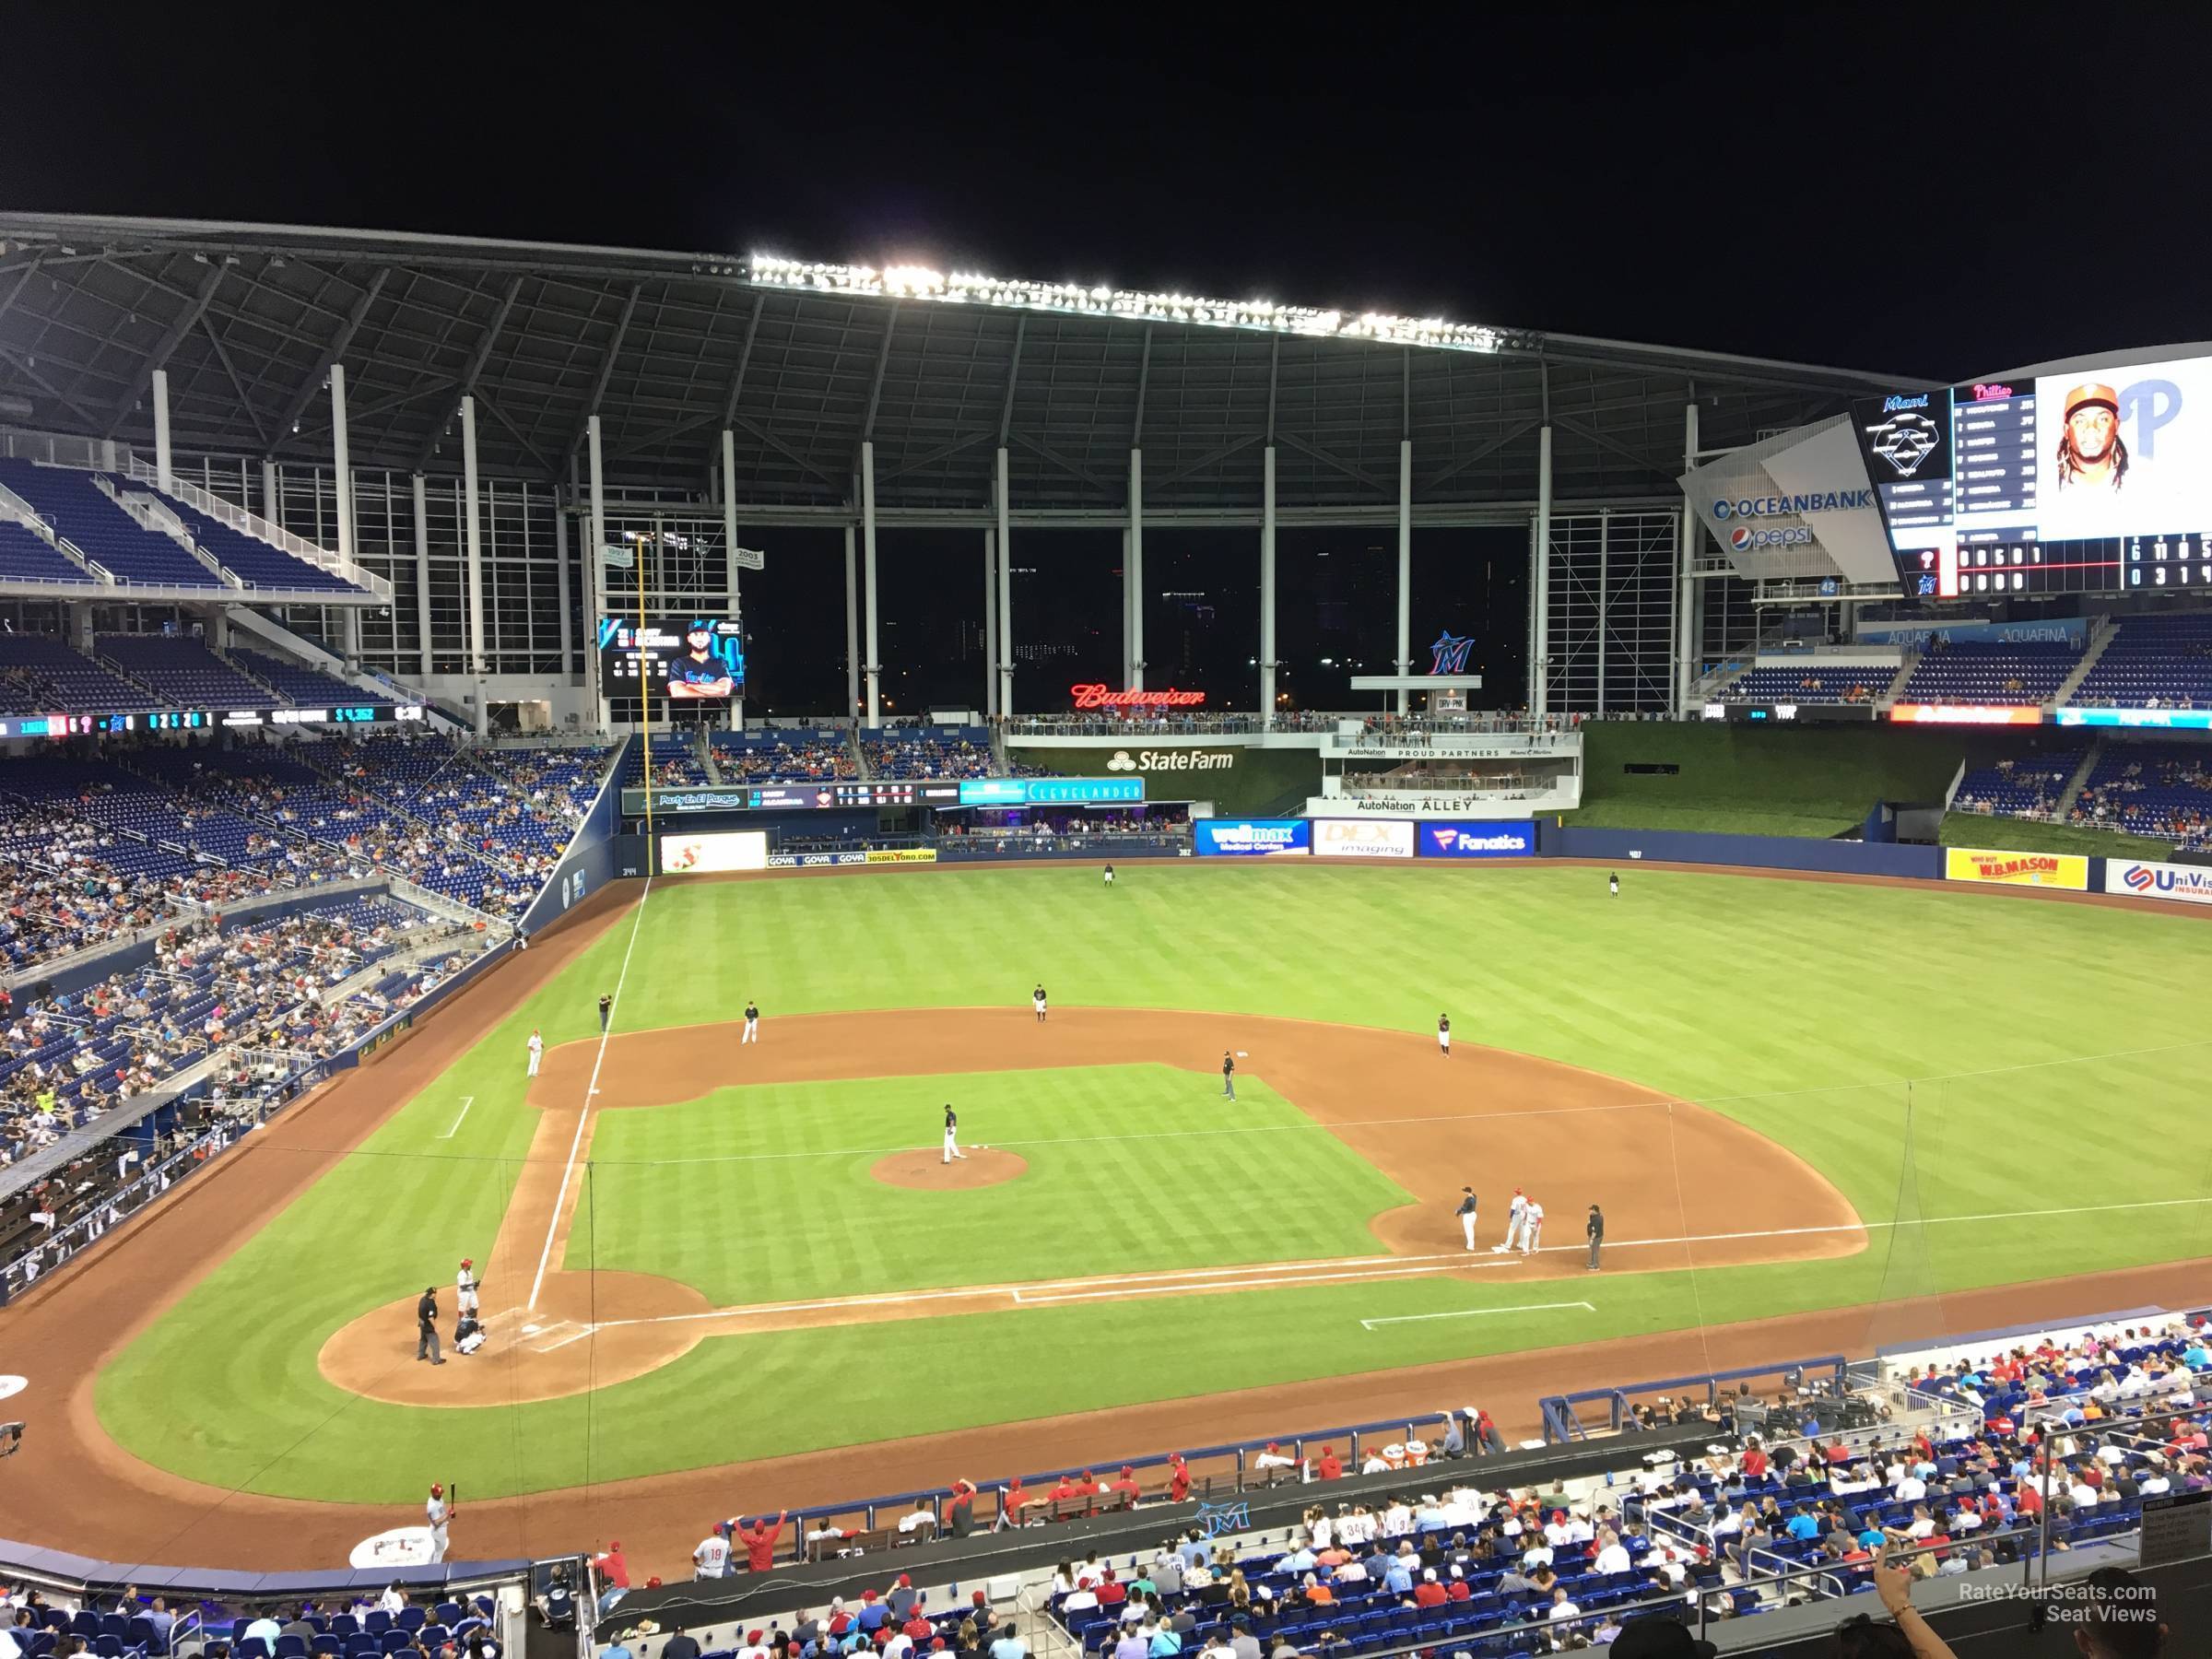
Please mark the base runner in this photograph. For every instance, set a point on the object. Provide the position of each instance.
(464, 1288)
(1517, 1213)
(952, 1136)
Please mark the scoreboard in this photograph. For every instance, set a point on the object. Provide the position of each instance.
(2087, 480)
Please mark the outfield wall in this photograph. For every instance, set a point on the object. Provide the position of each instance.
(1761, 851)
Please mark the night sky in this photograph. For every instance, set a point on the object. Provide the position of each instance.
(1930, 191)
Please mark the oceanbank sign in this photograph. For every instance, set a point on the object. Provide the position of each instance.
(1793, 506)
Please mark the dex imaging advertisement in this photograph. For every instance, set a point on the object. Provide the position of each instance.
(1362, 838)
(686, 659)
(1252, 838)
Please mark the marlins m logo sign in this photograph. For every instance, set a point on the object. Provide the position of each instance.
(1449, 655)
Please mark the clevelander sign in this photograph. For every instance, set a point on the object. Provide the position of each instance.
(2069, 871)
(2187, 884)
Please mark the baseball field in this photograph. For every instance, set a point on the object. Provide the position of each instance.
(723, 1276)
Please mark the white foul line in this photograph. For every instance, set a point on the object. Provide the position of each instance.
(1185, 1288)
(1474, 1312)
(466, 1102)
(584, 1117)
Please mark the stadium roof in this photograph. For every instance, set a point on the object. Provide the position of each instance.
(669, 347)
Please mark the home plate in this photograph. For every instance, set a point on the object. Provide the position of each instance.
(531, 1330)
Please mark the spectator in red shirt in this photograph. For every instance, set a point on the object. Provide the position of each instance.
(1459, 1590)
(1179, 1479)
(1111, 1593)
(760, 1541)
(612, 1567)
(1428, 1593)
(1331, 1468)
(916, 1627)
(1755, 1461)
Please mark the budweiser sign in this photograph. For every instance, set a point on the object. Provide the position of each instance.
(1105, 697)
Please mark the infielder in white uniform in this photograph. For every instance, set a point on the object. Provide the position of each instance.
(752, 1023)
(1466, 1215)
(537, 1052)
(1443, 1034)
(465, 1286)
(439, 1515)
(952, 1136)
(1517, 1213)
(1532, 1229)
(1036, 1002)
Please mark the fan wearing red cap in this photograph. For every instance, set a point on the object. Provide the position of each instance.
(1179, 1478)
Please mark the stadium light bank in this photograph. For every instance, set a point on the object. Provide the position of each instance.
(960, 288)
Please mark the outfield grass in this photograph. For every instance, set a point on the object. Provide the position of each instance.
(1815, 1012)
(666, 1181)
(2028, 835)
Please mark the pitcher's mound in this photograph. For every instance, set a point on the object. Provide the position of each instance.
(983, 1167)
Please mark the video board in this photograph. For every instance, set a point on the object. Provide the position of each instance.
(686, 659)
(2093, 480)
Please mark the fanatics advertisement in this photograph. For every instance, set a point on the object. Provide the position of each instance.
(1478, 841)
(2069, 871)
(1362, 838)
(2185, 884)
(1252, 838)
(709, 854)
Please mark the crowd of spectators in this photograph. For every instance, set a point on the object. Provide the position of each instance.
(900, 753)
(2165, 792)
(753, 758)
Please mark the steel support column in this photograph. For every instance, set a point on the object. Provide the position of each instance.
(1004, 648)
(990, 624)
(268, 492)
(422, 573)
(341, 477)
(1405, 568)
(1686, 607)
(1133, 570)
(474, 541)
(595, 564)
(162, 427)
(872, 668)
(1267, 587)
(1540, 591)
(729, 551)
(852, 629)
(560, 568)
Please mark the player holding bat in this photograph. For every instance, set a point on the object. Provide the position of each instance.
(439, 1515)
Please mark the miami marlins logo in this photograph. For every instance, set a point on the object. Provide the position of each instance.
(1449, 655)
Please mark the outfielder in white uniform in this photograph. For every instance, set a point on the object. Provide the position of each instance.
(465, 1286)
(752, 1023)
(1515, 1215)
(1036, 1002)
(952, 1136)
(1443, 1034)
(1109, 875)
(1532, 1229)
(537, 1052)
